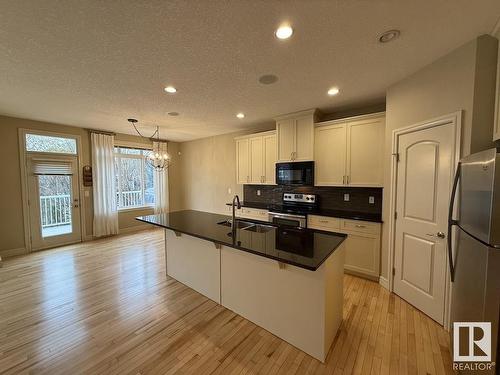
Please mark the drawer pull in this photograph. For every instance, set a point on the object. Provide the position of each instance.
(323, 221)
(360, 226)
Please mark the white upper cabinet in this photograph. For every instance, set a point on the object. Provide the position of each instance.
(256, 158)
(242, 161)
(350, 151)
(286, 139)
(330, 154)
(365, 151)
(296, 136)
(270, 154)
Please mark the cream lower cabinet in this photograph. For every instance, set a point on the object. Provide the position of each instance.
(350, 152)
(256, 158)
(250, 213)
(362, 244)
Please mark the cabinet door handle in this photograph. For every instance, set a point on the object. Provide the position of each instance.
(347, 180)
(291, 155)
(248, 178)
(343, 180)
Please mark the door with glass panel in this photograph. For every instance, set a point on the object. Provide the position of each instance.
(54, 204)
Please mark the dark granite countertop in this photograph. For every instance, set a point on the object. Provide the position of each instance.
(343, 214)
(305, 248)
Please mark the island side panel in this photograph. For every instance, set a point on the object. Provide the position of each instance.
(194, 262)
(334, 295)
(289, 302)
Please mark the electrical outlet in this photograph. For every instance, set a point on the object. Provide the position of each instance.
(371, 200)
(346, 197)
(258, 192)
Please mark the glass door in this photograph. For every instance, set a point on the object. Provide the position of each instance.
(53, 201)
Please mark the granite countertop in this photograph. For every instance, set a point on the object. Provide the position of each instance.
(301, 247)
(343, 214)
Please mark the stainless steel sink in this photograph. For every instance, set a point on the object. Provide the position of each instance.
(259, 228)
(240, 224)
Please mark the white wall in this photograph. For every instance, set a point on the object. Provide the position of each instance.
(206, 169)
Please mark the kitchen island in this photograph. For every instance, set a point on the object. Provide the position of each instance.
(286, 280)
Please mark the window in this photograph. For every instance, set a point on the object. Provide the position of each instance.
(134, 178)
(49, 143)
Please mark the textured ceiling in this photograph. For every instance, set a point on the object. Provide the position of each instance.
(94, 63)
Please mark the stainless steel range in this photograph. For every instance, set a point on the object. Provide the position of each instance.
(293, 210)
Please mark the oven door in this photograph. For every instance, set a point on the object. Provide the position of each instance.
(287, 220)
(297, 173)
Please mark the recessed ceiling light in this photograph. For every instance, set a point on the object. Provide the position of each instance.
(268, 79)
(284, 32)
(389, 36)
(173, 113)
(333, 91)
(170, 89)
(240, 115)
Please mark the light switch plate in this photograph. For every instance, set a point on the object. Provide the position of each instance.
(86, 193)
(346, 197)
(229, 191)
(258, 192)
(371, 200)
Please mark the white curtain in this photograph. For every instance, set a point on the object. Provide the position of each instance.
(161, 182)
(103, 171)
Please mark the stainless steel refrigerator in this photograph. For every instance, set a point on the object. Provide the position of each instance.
(475, 259)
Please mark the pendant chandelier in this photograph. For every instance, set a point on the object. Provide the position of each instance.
(157, 158)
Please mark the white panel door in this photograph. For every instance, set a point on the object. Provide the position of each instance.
(270, 156)
(286, 139)
(365, 152)
(424, 178)
(329, 154)
(54, 201)
(242, 161)
(256, 160)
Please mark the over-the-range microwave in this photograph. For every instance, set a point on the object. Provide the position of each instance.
(300, 173)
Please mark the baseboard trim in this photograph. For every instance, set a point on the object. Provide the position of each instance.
(361, 274)
(13, 252)
(384, 282)
(135, 228)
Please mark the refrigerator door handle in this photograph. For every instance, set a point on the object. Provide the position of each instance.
(452, 222)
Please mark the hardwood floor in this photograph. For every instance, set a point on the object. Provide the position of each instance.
(106, 307)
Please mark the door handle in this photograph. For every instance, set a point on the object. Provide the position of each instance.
(452, 222)
(438, 234)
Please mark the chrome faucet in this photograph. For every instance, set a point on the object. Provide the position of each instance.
(238, 205)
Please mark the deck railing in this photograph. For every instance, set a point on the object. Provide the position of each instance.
(55, 210)
(130, 198)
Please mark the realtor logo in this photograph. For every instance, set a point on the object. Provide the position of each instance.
(472, 342)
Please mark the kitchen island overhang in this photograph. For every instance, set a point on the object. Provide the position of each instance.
(296, 295)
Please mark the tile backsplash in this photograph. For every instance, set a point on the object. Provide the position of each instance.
(330, 197)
